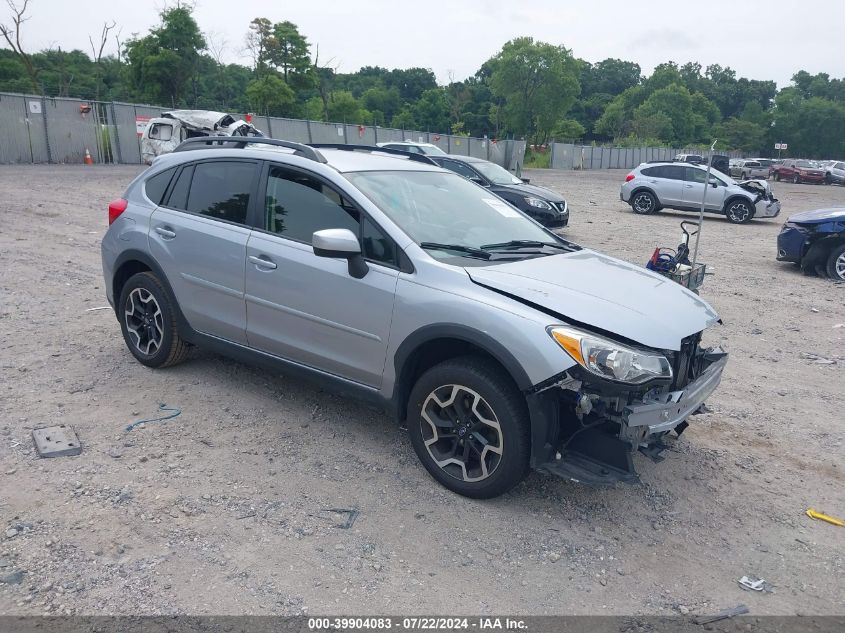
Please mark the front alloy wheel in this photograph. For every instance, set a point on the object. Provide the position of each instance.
(461, 433)
(739, 212)
(469, 426)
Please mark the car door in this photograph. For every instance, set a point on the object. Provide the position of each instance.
(309, 309)
(694, 189)
(838, 172)
(199, 239)
(667, 181)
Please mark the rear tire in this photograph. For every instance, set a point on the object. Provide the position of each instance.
(469, 426)
(796, 179)
(148, 322)
(644, 203)
(836, 263)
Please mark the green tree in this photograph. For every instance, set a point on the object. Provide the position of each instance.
(289, 52)
(162, 64)
(538, 83)
(270, 95)
(611, 124)
(431, 111)
(569, 130)
(674, 102)
(739, 134)
(404, 120)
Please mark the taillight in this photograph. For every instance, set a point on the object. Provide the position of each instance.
(116, 207)
(629, 177)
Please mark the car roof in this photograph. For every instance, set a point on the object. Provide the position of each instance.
(415, 144)
(464, 159)
(343, 161)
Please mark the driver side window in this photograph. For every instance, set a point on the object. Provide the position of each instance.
(459, 168)
(297, 205)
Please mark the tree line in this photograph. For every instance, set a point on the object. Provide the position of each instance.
(529, 89)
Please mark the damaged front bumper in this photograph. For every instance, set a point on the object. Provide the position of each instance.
(588, 432)
(767, 208)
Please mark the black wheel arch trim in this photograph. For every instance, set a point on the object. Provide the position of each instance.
(642, 189)
(433, 332)
(134, 255)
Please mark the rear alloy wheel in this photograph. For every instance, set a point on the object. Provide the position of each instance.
(469, 427)
(644, 203)
(148, 322)
(739, 211)
(836, 263)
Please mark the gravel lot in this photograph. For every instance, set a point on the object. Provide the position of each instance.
(223, 510)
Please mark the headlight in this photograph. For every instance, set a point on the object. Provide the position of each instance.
(537, 203)
(609, 359)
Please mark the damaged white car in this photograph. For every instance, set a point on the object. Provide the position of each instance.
(665, 185)
(164, 133)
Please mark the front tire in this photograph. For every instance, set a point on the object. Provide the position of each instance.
(836, 263)
(828, 179)
(644, 203)
(739, 211)
(796, 179)
(148, 322)
(777, 176)
(469, 426)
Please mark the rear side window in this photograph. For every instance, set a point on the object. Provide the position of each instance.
(155, 186)
(222, 190)
(670, 172)
(179, 195)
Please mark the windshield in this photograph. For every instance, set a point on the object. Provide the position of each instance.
(444, 208)
(495, 174)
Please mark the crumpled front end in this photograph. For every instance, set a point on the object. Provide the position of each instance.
(586, 429)
(765, 203)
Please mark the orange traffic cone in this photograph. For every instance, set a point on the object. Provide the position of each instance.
(88, 160)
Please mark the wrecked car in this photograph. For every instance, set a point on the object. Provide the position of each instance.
(815, 240)
(499, 345)
(667, 185)
(163, 134)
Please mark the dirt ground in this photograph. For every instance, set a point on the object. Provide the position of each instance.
(226, 508)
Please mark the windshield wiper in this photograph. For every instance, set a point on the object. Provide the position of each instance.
(523, 244)
(459, 248)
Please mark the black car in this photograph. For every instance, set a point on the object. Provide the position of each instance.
(544, 205)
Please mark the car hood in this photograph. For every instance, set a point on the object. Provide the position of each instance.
(818, 216)
(604, 293)
(532, 190)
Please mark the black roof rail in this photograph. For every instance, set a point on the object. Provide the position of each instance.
(207, 142)
(351, 147)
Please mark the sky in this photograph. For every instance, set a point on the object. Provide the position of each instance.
(760, 40)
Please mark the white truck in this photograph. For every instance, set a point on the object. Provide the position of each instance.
(164, 133)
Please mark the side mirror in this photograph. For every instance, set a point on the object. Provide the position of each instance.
(714, 184)
(341, 244)
(478, 181)
(527, 181)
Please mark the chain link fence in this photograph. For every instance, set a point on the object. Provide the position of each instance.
(36, 129)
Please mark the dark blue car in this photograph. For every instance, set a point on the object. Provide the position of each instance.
(816, 241)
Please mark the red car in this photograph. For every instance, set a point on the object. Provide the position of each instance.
(798, 171)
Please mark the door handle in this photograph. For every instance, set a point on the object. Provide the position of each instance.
(166, 232)
(262, 262)
(688, 186)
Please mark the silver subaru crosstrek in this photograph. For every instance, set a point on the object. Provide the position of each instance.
(658, 185)
(500, 345)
